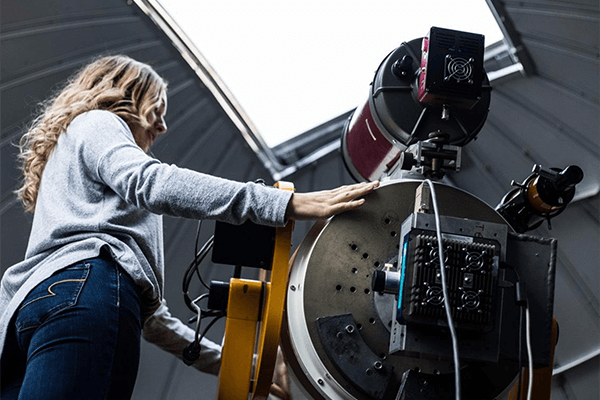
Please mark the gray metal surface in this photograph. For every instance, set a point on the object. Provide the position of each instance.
(341, 340)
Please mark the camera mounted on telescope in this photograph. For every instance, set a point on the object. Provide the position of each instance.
(429, 97)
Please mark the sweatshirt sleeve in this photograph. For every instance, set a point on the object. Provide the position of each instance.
(160, 188)
(171, 335)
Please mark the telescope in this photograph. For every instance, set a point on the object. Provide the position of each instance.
(424, 292)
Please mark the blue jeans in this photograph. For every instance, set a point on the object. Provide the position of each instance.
(75, 336)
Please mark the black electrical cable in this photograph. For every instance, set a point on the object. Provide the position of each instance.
(522, 297)
(201, 258)
(200, 255)
(199, 316)
(196, 250)
(197, 237)
(192, 351)
(187, 278)
(202, 311)
(513, 269)
(210, 325)
(520, 335)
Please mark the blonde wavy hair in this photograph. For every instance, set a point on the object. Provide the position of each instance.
(130, 89)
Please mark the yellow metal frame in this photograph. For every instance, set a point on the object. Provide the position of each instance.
(242, 319)
(255, 306)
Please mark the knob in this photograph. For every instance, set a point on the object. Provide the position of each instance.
(378, 281)
(403, 67)
(407, 160)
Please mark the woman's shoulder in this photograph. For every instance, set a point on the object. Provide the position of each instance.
(98, 126)
(100, 118)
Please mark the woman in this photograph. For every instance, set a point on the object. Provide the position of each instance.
(92, 278)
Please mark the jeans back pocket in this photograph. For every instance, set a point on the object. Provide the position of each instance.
(58, 292)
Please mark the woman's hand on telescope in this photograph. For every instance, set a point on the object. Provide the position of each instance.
(327, 203)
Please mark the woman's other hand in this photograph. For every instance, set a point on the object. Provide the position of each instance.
(327, 203)
(281, 380)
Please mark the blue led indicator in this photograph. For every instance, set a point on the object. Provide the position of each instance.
(402, 273)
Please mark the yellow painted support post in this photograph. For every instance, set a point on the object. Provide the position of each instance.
(237, 377)
(240, 336)
(273, 313)
(270, 328)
